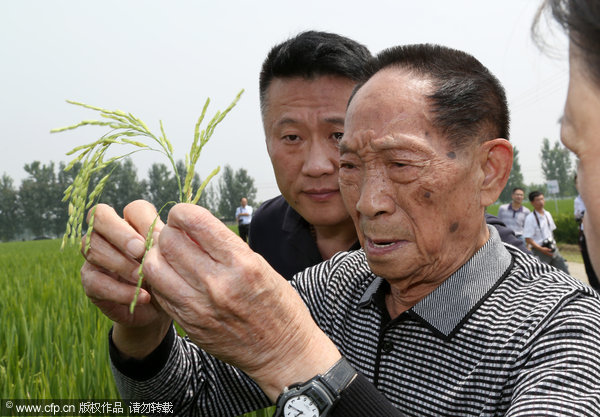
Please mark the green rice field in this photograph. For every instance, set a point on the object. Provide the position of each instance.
(54, 340)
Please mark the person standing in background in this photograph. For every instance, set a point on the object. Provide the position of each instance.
(538, 233)
(513, 214)
(243, 216)
(579, 212)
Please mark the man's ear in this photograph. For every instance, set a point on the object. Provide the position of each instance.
(496, 157)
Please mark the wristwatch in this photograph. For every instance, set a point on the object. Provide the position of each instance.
(317, 396)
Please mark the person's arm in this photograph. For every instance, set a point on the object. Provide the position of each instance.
(501, 212)
(532, 243)
(550, 221)
(578, 209)
(233, 305)
(182, 375)
(528, 234)
(216, 288)
(361, 399)
(559, 371)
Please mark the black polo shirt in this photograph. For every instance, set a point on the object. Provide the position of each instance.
(283, 238)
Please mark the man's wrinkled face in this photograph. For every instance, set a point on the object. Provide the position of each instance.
(304, 122)
(413, 198)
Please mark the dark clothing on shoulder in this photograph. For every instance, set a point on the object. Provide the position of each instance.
(506, 234)
(284, 238)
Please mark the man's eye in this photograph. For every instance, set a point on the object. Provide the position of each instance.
(338, 136)
(403, 172)
(347, 165)
(291, 138)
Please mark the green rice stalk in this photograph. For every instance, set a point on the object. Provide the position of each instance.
(125, 126)
(204, 184)
(148, 244)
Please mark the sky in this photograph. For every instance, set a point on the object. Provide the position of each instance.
(160, 60)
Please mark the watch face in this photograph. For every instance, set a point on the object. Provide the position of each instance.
(300, 406)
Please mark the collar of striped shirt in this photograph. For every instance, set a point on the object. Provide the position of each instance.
(468, 287)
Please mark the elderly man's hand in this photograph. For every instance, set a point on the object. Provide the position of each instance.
(233, 304)
(109, 277)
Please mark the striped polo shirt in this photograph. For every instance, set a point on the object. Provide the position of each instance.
(505, 335)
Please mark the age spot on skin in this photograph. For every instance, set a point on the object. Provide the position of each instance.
(451, 155)
(427, 194)
(454, 227)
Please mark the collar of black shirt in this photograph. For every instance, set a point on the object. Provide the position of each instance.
(451, 304)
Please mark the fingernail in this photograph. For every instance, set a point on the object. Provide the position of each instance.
(144, 297)
(136, 248)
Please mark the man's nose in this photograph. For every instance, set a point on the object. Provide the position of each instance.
(321, 158)
(376, 196)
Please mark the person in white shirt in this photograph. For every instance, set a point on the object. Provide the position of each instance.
(579, 212)
(513, 214)
(243, 216)
(537, 232)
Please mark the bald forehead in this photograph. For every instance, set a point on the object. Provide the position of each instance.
(393, 96)
(388, 81)
(392, 112)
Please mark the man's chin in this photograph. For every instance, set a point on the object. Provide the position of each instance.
(323, 214)
(393, 266)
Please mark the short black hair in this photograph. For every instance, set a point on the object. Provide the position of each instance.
(581, 20)
(534, 194)
(468, 102)
(517, 188)
(312, 54)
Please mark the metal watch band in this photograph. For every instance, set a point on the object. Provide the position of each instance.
(339, 376)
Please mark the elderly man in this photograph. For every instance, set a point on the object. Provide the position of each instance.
(305, 84)
(434, 316)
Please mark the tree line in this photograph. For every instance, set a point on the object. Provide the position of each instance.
(556, 164)
(35, 207)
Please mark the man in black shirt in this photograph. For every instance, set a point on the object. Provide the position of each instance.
(305, 83)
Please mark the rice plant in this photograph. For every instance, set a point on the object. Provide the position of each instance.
(54, 342)
(128, 130)
(18, 348)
